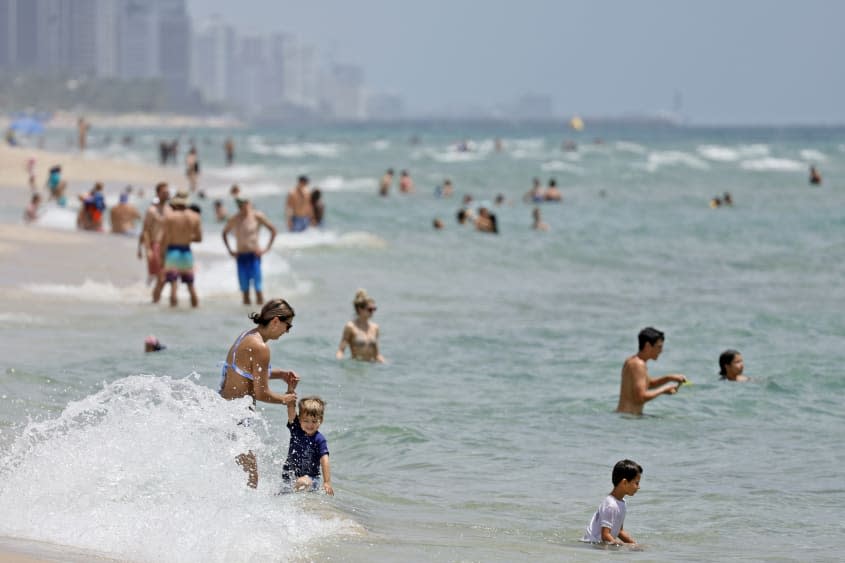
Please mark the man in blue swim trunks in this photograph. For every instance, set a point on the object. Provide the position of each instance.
(299, 212)
(180, 228)
(246, 224)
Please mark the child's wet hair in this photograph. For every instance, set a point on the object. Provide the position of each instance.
(312, 406)
(625, 469)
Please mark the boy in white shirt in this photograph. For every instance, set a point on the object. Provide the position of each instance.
(606, 525)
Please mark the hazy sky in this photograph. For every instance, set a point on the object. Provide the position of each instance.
(733, 61)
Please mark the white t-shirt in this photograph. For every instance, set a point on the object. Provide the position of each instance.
(611, 514)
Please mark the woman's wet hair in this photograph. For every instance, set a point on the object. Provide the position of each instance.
(272, 309)
(725, 358)
(362, 299)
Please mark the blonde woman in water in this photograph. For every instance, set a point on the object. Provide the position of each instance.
(361, 334)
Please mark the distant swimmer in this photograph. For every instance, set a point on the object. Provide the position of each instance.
(552, 192)
(731, 366)
(406, 184)
(385, 183)
(637, 387)
(727, 199)
(361, 334)
(229, 150)
(299, 211)
(715, 202)
(486, 221)
(538, 224)
(319, 207)
(535, 194)
(437, 224)
(815, 176)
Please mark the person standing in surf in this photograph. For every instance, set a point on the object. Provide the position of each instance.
(361, 334)
(247, 371)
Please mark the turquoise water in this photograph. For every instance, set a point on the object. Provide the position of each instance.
(490, 433)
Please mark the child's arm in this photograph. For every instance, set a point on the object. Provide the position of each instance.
(291, 404)
(327, 474)
(625, 536)
(607, 537)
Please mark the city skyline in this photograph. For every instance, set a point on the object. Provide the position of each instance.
(751, 62)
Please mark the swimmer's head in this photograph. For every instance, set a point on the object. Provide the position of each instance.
(312, 406)
(152, 344)
(650, 335)
(626, 469)
(363, 301)
(272, 309)
(726, 358)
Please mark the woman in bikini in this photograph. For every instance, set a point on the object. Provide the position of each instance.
(247, 370)
(361, 334)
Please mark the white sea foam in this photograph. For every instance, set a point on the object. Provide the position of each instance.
(659, 159)
(117, 470)
(314, 238)
(341, 184)
(380, 145)
(239, 172)
(723, 153)
(811, 155)
(772, 164)
(20, 319)
(626, 146)
(295, 150)
(560, 166)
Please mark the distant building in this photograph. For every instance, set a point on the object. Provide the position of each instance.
(347, 98)
(385, 107)
(213, 61)
(174, 60)
(138, 39)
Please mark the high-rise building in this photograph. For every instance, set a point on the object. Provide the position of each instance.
(174, 50)
(213, 60)
(348, 99)
(138, 39)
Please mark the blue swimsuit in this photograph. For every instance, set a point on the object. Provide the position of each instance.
(234, 365)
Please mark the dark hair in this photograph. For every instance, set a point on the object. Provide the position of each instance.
(272, 309)
(390, 171)
(552, 182)
(303, 179)
(625, 469)
(462, 215)
(315, 195)
(650, 335)
(726, 358)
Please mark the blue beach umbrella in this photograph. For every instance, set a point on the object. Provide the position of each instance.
(27, 126)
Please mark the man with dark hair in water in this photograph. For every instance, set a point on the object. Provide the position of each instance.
(637, 387)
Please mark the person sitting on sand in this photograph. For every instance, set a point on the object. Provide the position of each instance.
(361, 335)
(731, 366)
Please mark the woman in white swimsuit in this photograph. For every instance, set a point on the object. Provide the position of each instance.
(361, 334)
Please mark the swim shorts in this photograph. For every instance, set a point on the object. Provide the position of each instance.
(179, 262)
(249, 268)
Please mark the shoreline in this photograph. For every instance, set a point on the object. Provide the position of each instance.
(62, 119)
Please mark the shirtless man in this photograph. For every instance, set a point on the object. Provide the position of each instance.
(637, 387)
(385, 183)
(246, 223)
(124, 216)
(181, 227)
(150, 236)
(299, 213)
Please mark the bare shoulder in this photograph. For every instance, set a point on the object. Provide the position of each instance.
(633, 366)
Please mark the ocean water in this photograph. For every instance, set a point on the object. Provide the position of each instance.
(490, 433)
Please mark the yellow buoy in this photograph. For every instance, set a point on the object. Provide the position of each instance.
(576, 123)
